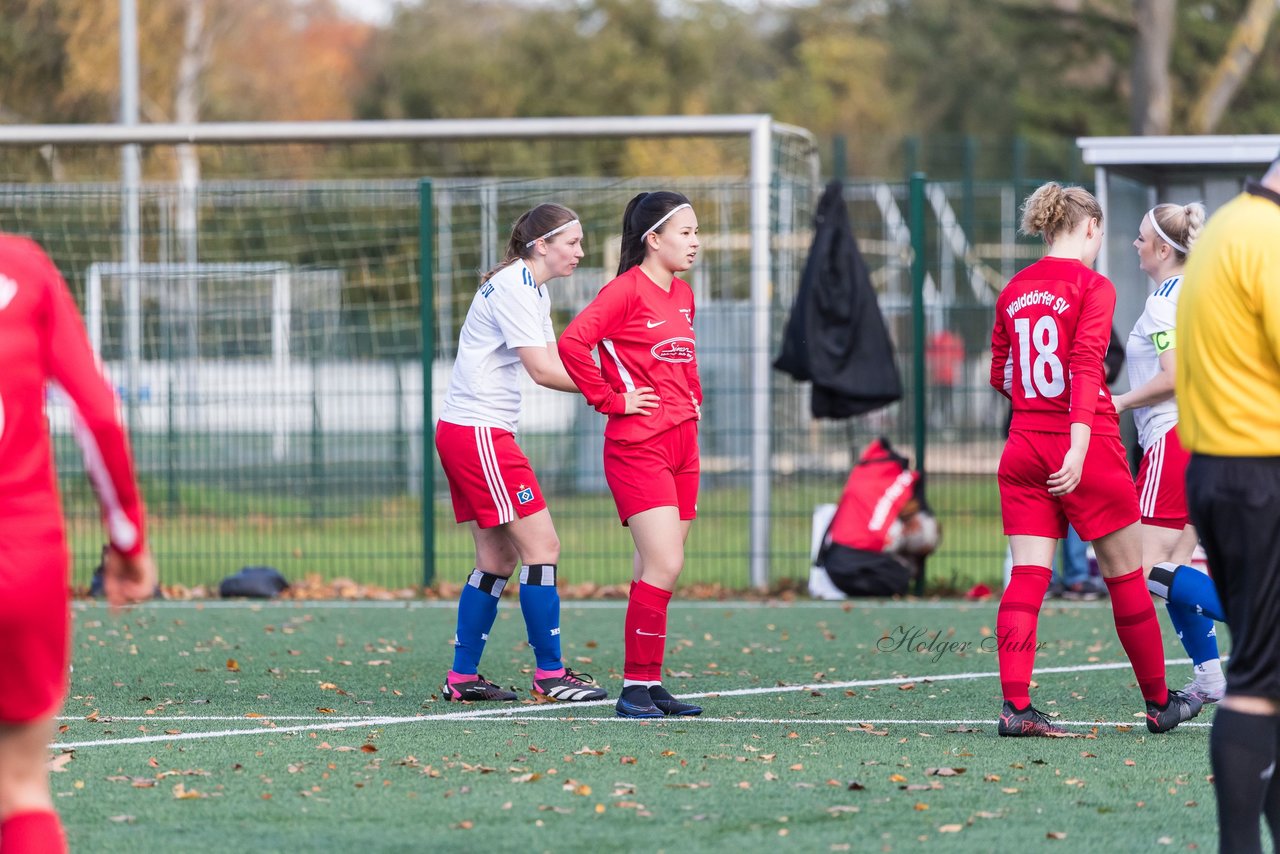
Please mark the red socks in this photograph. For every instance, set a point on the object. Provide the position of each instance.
(1139, 631)
(32, 833)
(646, 633)
(1016, 621)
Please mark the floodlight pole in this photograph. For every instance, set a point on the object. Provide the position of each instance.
(131, 176)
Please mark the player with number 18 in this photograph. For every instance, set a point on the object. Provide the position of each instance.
(1064, 461)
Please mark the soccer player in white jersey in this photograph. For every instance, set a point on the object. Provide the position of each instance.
(493, 487)
(1165, 236)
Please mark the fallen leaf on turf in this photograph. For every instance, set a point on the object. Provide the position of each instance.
(843, 808)
(59, 762)
(587, 751)
(121, 819)
(897, 778)
(921, 807)
(182, 793)
(943, 772)
(1055, 834)
(526, 778)
(322, 710)
(907, 687)
(951, 828)
(368, 748)
(233, 665)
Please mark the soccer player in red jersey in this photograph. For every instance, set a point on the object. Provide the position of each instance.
(642, 324)
(494, 490)
(1064, 462)
(42, 339)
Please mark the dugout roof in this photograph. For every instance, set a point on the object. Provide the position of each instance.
(1134, 173)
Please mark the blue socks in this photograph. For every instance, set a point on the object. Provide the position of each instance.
(1196, 631)
(1186, 586)
(540, 605)
(1193, 606)
(477, 610)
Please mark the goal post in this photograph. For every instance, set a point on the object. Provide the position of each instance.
(751, 275)
(177, 288)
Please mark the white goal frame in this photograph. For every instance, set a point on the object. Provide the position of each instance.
(134, 275)
(758, 129)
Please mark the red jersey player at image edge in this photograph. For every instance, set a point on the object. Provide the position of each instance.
(493, 487)
(641, 323)
(43, 341)
(1064, 462)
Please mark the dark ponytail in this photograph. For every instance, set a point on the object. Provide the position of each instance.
(531, 225)
(641, 213)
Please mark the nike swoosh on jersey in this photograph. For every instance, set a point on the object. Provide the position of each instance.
(653, 323)
(649, 634)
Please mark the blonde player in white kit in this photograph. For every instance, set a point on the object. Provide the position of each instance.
(1165, 236)
(494, 490)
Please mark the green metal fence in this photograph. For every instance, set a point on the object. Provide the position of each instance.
(276, 398)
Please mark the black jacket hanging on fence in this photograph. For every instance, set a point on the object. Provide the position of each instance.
(836, 336)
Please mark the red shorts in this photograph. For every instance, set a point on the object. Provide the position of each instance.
(1103, 502)
(490, 479)
(659, 472)
(34, 625)
(1162, 483)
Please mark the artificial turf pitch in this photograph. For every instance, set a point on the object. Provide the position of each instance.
(867, 726)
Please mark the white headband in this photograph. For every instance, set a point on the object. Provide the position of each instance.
(552, 233)
(1151, 214)
(668, 215)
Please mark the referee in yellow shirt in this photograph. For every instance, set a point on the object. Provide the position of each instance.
(1228, 384)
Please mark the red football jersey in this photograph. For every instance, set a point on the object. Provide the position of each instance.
(1053, 325)
(645, 338)
(42, 338)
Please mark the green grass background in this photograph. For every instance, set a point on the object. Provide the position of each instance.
(537, 782)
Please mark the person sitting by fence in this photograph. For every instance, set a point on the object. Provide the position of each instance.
(880, 533)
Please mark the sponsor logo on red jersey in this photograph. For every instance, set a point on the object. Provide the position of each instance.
(678, 350)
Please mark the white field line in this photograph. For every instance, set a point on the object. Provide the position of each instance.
(530, 712)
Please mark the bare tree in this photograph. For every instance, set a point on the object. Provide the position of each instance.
(1233, 68)
(186, 110)
(1151, 99)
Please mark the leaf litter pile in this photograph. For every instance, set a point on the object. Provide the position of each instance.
(837, 740)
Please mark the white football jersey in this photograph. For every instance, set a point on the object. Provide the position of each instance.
(510, 310)
(1152, 335)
